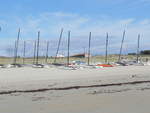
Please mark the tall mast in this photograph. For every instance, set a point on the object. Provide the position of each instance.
(24, 52)
(37, 54)
(47, 49)
(68, 48)
(121, 45)
(138, 48)
(61, 33)
(15, 51)
(106, 54)
(16, 47)
(84, 50)
(89, 49)
(34, 52)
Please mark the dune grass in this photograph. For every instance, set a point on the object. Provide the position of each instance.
(94, 59)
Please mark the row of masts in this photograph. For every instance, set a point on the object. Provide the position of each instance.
(36, 48)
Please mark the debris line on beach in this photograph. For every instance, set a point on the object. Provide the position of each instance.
(73, 87)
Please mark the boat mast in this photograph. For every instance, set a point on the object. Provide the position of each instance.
(121, 46)
(34, 55)
(89, 49)
(61, 33)
(47, 50)
(15, 51)
(68, 48)
(16, 47)
(106, 54)
(24, 52)
(138, 48)
(37, 54)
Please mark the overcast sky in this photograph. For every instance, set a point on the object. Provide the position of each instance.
(79, 16)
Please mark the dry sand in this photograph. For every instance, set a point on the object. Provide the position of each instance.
(124, 98)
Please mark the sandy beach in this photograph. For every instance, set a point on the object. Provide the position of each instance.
(57, 90)
(74, 56)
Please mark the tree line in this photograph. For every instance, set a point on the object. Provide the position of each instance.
(143, 52)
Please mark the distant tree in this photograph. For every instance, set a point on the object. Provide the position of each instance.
(131, 53)
(145, 52)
